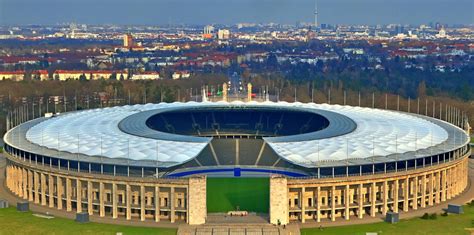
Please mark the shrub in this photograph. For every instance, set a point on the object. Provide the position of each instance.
(425, 216)
(433, 216)
(444, 213)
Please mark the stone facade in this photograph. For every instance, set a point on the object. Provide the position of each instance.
(118, 197)
(314, 200)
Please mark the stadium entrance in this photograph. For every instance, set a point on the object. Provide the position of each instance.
(237, 194)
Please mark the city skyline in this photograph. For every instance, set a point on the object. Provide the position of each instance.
(146, 12)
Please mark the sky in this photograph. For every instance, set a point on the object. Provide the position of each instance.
(159, 12)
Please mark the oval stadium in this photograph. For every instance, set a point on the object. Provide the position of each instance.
(295, 162)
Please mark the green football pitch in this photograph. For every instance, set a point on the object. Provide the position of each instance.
(226, 194)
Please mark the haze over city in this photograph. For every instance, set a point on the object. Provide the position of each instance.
(13, 12)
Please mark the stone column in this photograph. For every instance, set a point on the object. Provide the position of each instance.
(68, 194)
(19, 179)
(30, 186)
(89, 198)
(373, 199)
(385, 198)
(318, 204)
(415, 193)
(51, 190)
(346, 202)
(279, 211)
(101, 200)
(406, 194)
(37, 187)
(59, 190)
(395, 196)
(438, 187)
(129, 201)
(79, 195)
(172, 204)
(361, 202)
(431, 189)
(302, 203)
(43, 189)
(333, 203)
(25, 184)
(443, 186)
(142, 203)
(423, 191)
(450, 184)
(114, 201)
(157, 203)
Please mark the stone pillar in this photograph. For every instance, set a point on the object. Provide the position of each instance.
(318, 204)
(437, 186)
(450, 184)
(443, 186)
(347, 202)
(25, 184)
(59, 190)
(415, 193)
(114, 201)
(361, 202)
(101, 200)
(423, 191)
(395, 196)
(89, 198)
(333, 203)
(68, 194)
(172, 204)
(190, 211)
(37, 186)
(430, 189)
(51, 190)
(385, 198)
(79, 196)
(129, 201)
(373, 199)
(30, 186)
(406, 194)
(279, 212)
(19, 182)
(43, 189)
(142, 202)
(302, 203)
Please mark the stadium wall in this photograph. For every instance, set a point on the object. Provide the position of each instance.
(332, 199)
(129, 198)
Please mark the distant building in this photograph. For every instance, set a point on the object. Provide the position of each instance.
(208, 32)
(64, 75)
(12, 75)
(128, 40)
(146, 76)
(442, 33)
(223, 34)
(180, 74)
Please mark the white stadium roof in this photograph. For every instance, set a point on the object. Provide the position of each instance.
(378, 132)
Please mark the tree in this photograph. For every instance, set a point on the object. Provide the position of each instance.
(422, 89)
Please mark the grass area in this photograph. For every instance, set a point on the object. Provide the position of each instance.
(13, 222)
(451, 224)
(472, 140)
(1, 149)
(225, 194)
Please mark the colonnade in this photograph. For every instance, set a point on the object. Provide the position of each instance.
(357, 197)
(143, 199)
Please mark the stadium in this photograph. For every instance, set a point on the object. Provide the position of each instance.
(296, 162)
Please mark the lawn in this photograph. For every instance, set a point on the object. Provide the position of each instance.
(13, 222)
(226, 194)
(451, 224)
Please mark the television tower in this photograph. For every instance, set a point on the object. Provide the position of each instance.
(315, 14)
